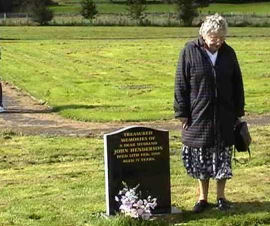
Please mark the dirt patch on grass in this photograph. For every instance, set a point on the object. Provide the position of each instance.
(28, 116)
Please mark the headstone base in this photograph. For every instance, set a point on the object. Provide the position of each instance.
(174, 210)
(175, 216)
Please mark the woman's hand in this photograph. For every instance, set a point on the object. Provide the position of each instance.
(184, 122)
(237, 121)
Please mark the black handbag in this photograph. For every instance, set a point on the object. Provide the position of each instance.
(242, 138)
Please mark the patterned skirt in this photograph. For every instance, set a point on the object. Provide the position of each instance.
(205, 163)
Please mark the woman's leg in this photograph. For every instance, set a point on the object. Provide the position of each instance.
(203, 188)
(221, 188)
(222, 203)
(202, 203)
(1, 103)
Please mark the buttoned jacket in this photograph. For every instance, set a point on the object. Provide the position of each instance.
(211, 97)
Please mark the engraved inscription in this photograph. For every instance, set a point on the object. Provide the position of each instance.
(138, 147)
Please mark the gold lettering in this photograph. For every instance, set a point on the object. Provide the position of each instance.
(121, 156)
(146, 149)
(133, 139)
(120, 151)
(128, 160)
(134, 155)
(126, 145)
(147, 159)
(145, 154)
(146, 143)
(137, 134)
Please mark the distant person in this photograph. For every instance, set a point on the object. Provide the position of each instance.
(209, 101)
(1, 99)
(1, 94)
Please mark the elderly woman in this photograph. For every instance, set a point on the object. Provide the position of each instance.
(1, 97)
(209, 100)
(1, 101)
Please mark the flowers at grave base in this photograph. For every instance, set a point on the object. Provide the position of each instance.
(131, 204)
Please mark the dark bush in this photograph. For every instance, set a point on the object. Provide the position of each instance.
(88, 9)
(136, 9)
(239, 1)
(40, 12)
(187, 10)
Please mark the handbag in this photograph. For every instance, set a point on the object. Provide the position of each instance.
(242, 138)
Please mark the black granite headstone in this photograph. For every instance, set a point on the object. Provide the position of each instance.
(138, 155)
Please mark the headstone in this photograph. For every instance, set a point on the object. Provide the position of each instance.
(138, 155)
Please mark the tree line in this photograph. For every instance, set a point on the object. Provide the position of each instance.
(22, 5)
(211, 1)
(40, 12)
(239, 1)
(17, 5)
(38, 9)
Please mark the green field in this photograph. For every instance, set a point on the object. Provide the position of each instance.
(261, 8)
(119, 74)
(52, 181)
(67, 13)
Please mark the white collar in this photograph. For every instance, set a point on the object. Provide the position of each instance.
(212, 56)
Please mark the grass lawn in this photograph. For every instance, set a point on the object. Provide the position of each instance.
(60, 181)
(116, 73)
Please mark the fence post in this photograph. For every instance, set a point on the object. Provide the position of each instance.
(27, 18)
(5, 16)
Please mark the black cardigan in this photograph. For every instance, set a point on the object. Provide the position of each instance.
(211, 97)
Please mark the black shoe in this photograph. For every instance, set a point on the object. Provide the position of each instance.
(223, 204)
(200, 206)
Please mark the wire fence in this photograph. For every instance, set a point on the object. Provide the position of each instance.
(15, 19)
(5, 16)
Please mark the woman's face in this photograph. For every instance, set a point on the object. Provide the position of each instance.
(213, 41)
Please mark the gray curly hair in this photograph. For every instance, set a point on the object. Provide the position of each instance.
(214, 24)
